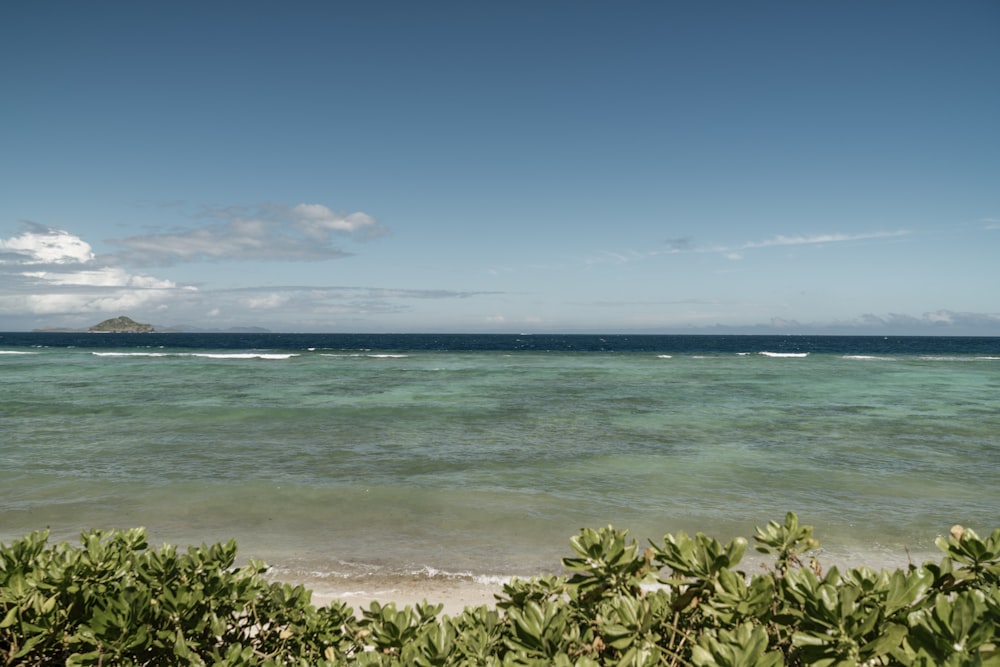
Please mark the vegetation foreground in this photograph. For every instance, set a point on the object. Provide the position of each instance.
(115, 601)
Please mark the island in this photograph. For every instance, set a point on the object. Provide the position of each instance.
(121, 324)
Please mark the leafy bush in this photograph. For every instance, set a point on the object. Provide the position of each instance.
(112, 600)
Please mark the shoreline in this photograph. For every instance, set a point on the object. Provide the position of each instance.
(454, 595)
(456, 592)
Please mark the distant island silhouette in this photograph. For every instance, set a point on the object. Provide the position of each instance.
(121, 324)
(124, 324)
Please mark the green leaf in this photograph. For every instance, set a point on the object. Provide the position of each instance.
(10, 618)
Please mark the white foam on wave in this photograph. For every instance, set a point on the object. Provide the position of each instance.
(382, 575)
(866, 357)
(428, 572)
(242, 355)
(928, 357)
(784, 355)
(310, 574)
(130, 354)
(202, 355)
(434, 573)
(664, 356)
(368, 594)
(492, 579)
(15, 352)
(367, 354)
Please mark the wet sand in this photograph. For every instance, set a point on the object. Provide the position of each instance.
(455, 595)
(456, 592)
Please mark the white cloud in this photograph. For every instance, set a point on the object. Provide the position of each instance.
(939, 321)
(737, 252)
(317, 216)
(108, 276)
(51, 271)
(55, 275)
(62, 303)
(266, 301)
(268, 232)
(782, 240)
(45, 246)
(686, 245)
(612, 257)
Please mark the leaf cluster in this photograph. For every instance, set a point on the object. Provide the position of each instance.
(113, 600)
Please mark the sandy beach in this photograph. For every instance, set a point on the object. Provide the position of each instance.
(454, 594)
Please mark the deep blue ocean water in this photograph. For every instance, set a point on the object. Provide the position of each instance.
(339, 455)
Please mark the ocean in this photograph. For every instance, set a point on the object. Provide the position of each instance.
(340, 457)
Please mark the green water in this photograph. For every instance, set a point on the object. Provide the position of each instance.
(487, 462)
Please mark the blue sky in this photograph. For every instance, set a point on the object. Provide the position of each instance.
(660, 167)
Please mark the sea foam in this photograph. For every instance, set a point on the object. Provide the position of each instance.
(131, 354)
(203, 355)
(243, 355)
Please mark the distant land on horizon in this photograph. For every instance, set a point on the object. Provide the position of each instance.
(124, 324)
(713, 331)
(121, 324)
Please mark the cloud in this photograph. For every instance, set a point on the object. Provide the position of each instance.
(107, 276)
(939, 319)
(782, 240)
(342, 293)
(48, 271)
(41, 245)
(304, 307)
(56, 275)
(680, 244)
(266, 301)
(948, 322)
(313, 217)
(110, 301)
(932, 323)
(612, 257)
(269, 232)
(686, 244)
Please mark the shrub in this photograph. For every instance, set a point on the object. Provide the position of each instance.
(112, 600)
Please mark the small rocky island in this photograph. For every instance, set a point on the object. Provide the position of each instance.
(121, 324)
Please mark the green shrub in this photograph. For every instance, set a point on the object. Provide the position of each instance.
(112, 600)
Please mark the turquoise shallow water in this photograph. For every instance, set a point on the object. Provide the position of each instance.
(403, 457)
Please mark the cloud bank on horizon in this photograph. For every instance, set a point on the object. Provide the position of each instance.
(52, 272)
(570, 167)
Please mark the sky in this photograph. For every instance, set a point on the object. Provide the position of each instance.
(614, 167)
